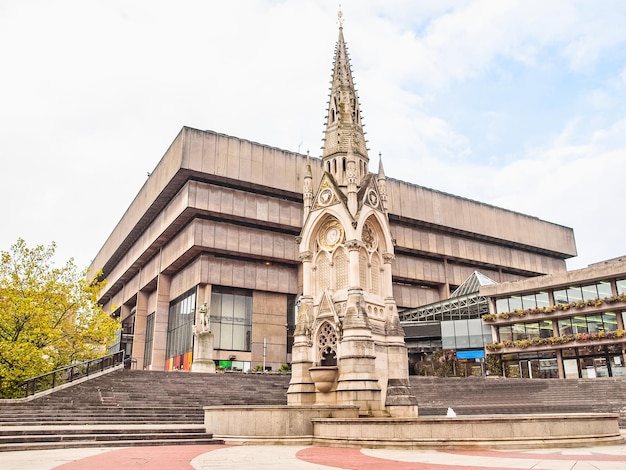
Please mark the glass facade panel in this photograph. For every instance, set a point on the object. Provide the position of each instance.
(529, 301)
(570, 367)
(565, 326)
(545, 329)
(560, 297)
(590, 292)
(180, 330)
(502, 305)
(609, 320)
(519, 331)
(461, 331)
(515, 303)
(475, 328)
(542, 299)
(604, 290)
(548, 368)
(574, 294)
(594, 323)
(487, 337)
(447, 335)
(621, 286)
(505, 333)
(579, 325)
(617, 365)
(532, 330)
(231, 319)
(147, 348)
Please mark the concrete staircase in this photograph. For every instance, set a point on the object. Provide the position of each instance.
(127, 407)
(477, 395)
(124, 408)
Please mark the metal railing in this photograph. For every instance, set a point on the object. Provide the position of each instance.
(71, 373)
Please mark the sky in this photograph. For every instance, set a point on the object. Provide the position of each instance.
(518, 104)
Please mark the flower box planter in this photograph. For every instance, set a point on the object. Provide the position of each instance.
(558, 342)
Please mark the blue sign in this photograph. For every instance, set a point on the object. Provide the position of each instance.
(476, 354)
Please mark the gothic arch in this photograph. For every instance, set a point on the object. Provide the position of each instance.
(377, 220)
(327, 345)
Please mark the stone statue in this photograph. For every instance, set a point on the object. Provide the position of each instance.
(205, 319)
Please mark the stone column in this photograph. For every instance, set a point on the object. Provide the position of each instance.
(358, 379)
(306, 257)
(353, 247)
(161, 316)
(301, 386)
(399, 401)
(141, 313)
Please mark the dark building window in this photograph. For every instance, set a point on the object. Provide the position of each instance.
(291, 321)
(147, 349)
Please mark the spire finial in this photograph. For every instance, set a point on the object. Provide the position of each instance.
(340, 16)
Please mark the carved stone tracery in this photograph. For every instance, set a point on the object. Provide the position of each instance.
(327, 345)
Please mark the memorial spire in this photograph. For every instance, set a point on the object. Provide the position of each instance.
(344, 141)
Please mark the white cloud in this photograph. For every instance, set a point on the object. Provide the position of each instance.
(93, 93)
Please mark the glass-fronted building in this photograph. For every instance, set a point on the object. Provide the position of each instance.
(449, 337)
(566, 325)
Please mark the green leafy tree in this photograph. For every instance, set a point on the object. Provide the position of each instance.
(49, 316)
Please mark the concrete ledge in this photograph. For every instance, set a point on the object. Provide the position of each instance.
(487, 431)
(270, 424)
(340, 426)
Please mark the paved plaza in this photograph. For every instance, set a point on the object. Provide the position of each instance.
(199, 457)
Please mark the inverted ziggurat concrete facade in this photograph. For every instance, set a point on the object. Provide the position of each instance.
(232, 238)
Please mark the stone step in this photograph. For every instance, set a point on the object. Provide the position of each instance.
(117, 442)
(49, 437)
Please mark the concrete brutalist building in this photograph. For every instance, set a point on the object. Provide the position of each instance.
(212, 234)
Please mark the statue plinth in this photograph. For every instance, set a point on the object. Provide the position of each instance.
(203, 353)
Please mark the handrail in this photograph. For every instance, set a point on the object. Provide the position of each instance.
(71, 373)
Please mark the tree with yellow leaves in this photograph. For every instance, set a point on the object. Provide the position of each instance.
(49, 316)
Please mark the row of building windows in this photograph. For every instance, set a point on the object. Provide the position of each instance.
(599, 290)
(606, 321)
(581, 362)
(231, 324)
(465, 334)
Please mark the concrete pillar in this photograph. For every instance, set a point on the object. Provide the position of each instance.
(353, 247)
(307, 258)
(301, 387)
(387, 275)
(559, 364)
(141, 314)
(161, 316)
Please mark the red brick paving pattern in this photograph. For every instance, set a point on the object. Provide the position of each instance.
(353, 459)
(179, 458)
(596, 457)
(152, 458)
